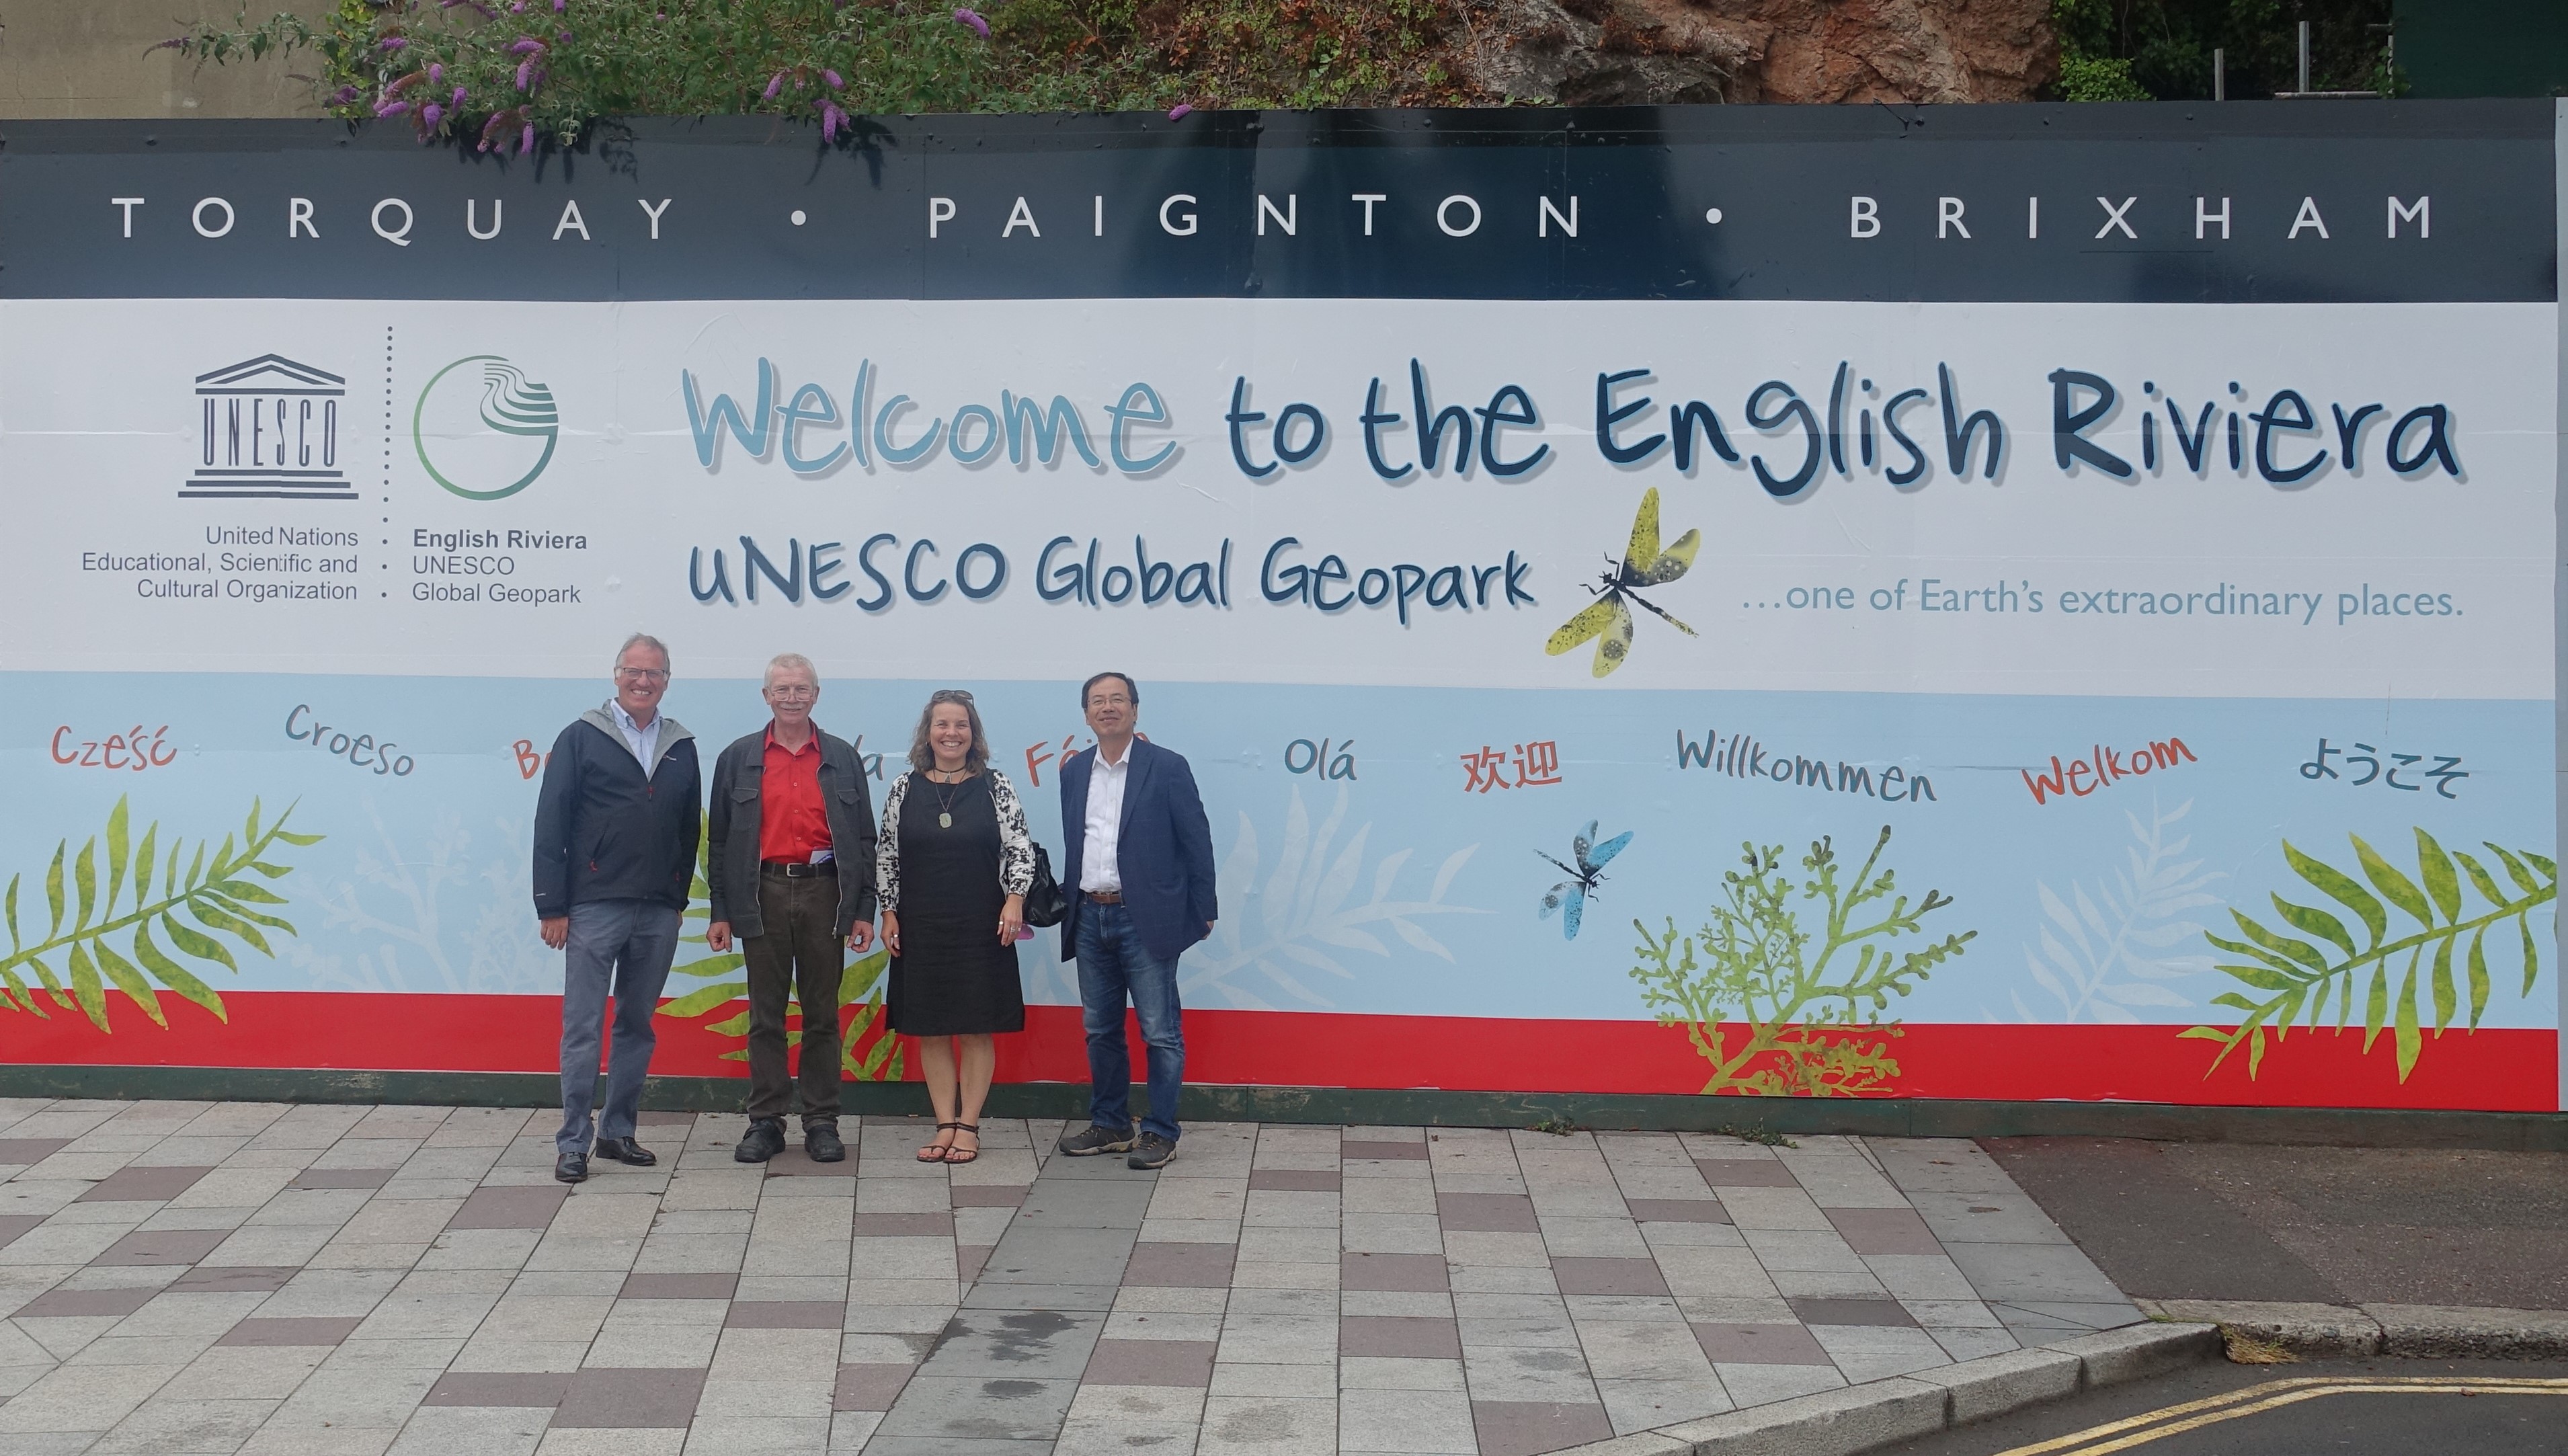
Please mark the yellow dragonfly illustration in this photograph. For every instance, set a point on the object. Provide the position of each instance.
(1608, 619)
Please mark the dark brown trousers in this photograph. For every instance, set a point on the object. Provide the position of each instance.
(801, 955)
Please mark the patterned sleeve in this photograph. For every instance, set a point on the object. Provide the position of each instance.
(887, 847)
(1015, 846)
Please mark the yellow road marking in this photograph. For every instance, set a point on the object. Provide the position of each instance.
(2272, 1396)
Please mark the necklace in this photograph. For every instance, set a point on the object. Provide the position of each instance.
(944, 801)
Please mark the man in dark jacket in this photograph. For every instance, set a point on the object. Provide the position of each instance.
(792, 873)
(615, 852)
(1139, 869)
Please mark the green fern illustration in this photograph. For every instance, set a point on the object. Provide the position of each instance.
(211, 891)
(868, 1053)
(2299, 975)
(1761, 1009)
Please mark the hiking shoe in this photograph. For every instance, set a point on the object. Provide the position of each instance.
(1087, 1142)
(821, 1140)
(765, 1140)
(1152, 1151)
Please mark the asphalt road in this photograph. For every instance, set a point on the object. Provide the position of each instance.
(2336, 1226)
(2338, 1423)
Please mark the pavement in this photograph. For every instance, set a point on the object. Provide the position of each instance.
(2370, 1407)
(2307, 1225)
(216, 1277)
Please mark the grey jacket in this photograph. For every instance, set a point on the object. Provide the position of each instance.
(731, 863)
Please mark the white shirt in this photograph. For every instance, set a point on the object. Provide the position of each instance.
(1096, 867)
(642, 739)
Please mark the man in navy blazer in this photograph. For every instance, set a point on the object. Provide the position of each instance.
(1139, 869)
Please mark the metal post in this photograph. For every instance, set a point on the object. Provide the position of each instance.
(2219, 74)
(2304, 58)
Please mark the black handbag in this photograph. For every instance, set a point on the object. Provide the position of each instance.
(1046, 906)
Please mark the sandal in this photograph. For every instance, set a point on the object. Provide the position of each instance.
(956, 1157)
(938, 1152)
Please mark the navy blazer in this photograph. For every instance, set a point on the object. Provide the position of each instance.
(1162, 853)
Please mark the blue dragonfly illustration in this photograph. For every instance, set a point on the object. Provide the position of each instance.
(1569, 897)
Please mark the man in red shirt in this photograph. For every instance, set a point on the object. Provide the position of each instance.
(791, 872)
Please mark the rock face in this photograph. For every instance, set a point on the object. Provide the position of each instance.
(1654, 52)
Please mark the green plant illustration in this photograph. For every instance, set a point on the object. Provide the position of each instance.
(868, 1053)
(2300, 974)
(1773, 1019)
(211, 891)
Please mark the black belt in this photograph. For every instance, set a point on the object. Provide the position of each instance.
(793, 869)
(1104, 897)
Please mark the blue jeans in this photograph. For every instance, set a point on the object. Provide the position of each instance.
(1114, 963)
(626, 945)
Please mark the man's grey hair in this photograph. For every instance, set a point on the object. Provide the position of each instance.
(785, 660)
(643, 639)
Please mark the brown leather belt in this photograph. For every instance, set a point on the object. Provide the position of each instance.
(797, 870)
(1104, 897)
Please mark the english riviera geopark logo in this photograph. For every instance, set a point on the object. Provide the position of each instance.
(482, 429)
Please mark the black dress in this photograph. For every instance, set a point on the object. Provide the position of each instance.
(952, 977)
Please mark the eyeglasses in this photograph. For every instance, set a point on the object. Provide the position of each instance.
(951, 695)
(794, 692)
(646, 675)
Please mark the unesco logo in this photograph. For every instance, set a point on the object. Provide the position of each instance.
(268, 428)
(482, 429)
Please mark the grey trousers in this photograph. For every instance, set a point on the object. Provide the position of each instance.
(622, 946)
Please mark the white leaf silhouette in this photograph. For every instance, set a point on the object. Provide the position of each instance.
(1307, 901)
(2097, 962)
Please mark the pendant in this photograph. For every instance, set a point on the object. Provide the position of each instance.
(945, 821)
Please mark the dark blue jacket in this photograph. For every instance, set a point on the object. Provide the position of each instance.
(604, 831)
(1164, 852)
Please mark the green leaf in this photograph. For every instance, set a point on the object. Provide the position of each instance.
(271, 871)
(2479, 877)
(2409, 1042)
(85, 986)
(2515, 871)
(2531, 957)
(734, 1026)
(2446, 996)
(130, 981)
(2314, 921)
(2376, 1005)
(85, 884)
(2478, 977)
(117, 855)
(704, 999)
(245, 913)
(246, 892)
(213, 916)
(2441, 882)
(2341, 888)
(172, 974)
(2289, 968)
(2264, 978)
(143, 865)
(721, 965)
(2394, 886)
(2301, 951)
(249, 831)
(2549, 868)
(197, 870)
(302, 839)
(14, 942)
(54, 888)
(197, 944)
(19, 997)
(45, 974)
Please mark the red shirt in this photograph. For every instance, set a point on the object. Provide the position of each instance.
(792, 821)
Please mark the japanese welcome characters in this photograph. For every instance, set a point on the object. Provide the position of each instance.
(1789, 436)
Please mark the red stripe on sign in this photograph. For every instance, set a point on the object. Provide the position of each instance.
(2491, 1071)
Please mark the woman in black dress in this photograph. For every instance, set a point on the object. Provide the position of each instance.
(952, 867)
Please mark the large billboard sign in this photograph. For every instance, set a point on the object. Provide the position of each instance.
(2009, 602)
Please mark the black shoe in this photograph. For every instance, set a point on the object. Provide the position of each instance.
(624, 1150)
(821, 1140)
(1152, 1151)
(1087, 1142)
(572, 1168)
(765, 1140)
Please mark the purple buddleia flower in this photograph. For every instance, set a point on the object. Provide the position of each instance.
(519, 9)
(526, 140)
(394, 43)
(831, 117)
(527, 46)
(774, 85)
(560, 5)
(392, 108)
(430, 114)
(1178, 112)
(343, 95)
(833, 77)
(436, 72)
(979, 26)
(525, 69)
(565, 38)
(458, 97)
